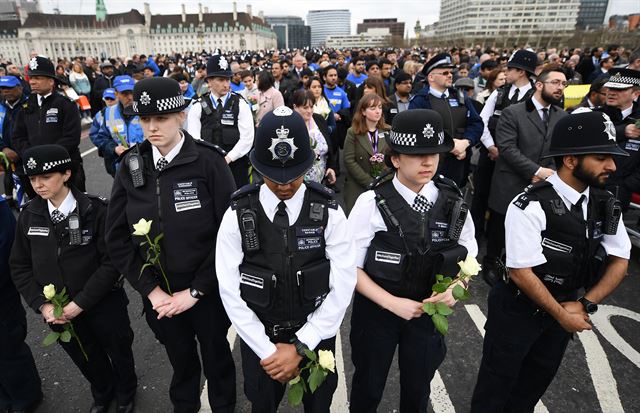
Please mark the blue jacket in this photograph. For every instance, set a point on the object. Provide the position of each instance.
(475, 126)
(153, 65)
(337, 98)
(8, 118)
(190, 93)
(106, 139)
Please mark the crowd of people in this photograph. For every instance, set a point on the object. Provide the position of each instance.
(225, 211)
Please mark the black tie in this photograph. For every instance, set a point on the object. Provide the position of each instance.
(161, 164)
(514, 98)
(219, 107)
(545, 118)
(576, 209)
(281, 219)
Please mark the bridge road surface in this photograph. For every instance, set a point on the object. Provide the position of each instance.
(600, 372)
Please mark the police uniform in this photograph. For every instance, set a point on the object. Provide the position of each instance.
(49, 250)
(402, 240)
(50, 119)
(564, 237)
(498, 101)
(284, 283)
(460, 119)
(184, 192)
(19, 380)
(225, 121)
(115, 123)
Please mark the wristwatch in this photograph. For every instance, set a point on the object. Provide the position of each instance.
(195, 293)
(300, 347)
(589, 306)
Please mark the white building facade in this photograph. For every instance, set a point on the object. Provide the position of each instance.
(379, 37)
(325, 23)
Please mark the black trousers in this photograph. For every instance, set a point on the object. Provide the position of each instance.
(265, 394)
(521, 354)
(481, 187)
(495, 235)
(375, 334)
(106, 335)
(240, 171)
(454, 169)
(208, 322)
(19, 379)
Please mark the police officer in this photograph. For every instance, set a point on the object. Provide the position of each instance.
(60, 241)
(461, 121)
(285, 265)
(406, 230)
(49, 118)
(567, 249)
(224, 118)
(19, 380)
(13, 99)
(183, 186)
(116, 125)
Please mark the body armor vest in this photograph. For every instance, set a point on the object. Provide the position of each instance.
(284, 276)
(503, 102)
(405, 259)
(220, 127)
(453, 112)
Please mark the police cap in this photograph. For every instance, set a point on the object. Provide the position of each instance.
(418, 131)
(156, 96)
(44, 159)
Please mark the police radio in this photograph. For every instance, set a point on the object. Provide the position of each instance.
(613, 212)
(135, 162)
(248, 221)
(75, 236)
(456, 221)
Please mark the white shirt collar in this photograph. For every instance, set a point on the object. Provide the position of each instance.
(627, 112)
(214, 99)
(438, 94)
(521, 90)
(429, 191)
(569, 195)
(66, 207)
(172, 153)
(270, 202)
(539, 106)
(41, 98)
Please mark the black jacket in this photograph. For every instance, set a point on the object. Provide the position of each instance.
(41, 254)
(56, 122)
(8, 292)
(194, 192)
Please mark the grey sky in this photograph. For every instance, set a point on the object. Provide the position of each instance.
(405, 10)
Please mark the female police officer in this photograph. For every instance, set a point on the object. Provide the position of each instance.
(60, 241)
(406, 231)
(183, 186)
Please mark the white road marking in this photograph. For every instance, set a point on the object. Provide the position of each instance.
(601, 374)
(340, 402)
(479, 319)
(440, 400)
(87, 152)
(602, 321)
(205, 407)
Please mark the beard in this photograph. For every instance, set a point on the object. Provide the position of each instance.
(549, 98)
(589, 178)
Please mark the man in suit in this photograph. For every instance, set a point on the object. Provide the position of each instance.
(589, 63)
(522, 137)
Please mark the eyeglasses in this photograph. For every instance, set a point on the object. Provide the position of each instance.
(557, 83)
(445, 73)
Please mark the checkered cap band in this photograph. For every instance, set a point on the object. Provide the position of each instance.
(403, 139)
(53, 164)
(618, 80)
(170, 103)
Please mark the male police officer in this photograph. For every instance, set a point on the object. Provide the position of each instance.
(224, 118)
(183, 186)
(116, 125)
(48, 118)
(285, 265)
(560, 233)
(461, 121)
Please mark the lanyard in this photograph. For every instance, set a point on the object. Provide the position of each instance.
(373, 138)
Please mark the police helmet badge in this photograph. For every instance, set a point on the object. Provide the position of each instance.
(223, 63)
(31, 163)
(145, 99)
(282, 147)
(609, 128)
(428, 131)
(33, 63)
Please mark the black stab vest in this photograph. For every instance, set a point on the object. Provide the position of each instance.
(220, 128)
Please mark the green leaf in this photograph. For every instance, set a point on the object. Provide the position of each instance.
(442, 308)
(63, 292)
(440, 287)
(316, 377)
(429, 308)
(57, 312)
(65, 336)
(439, 277)
(296, 391)
(51, 338)
(447, 280)
(147, 264)
(158, 238)
(458, 292)
(311, 355)
(441, 323)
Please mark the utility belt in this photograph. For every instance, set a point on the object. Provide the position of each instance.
(281, 331)
(535, 308)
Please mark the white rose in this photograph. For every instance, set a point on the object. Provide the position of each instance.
(326, 360)
(469, 266)
(49, 291)
(142, 228)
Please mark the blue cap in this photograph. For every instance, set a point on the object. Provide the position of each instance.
(109, 93)
(9, 81)
(123, 83)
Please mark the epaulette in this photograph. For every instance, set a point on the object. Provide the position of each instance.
(328, 193)
(241, 193)
(102, 199)
(211, 146)
(442, 182)
(522, 201)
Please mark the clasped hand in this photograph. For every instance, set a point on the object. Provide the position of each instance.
(283, 365)
(168, 306)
